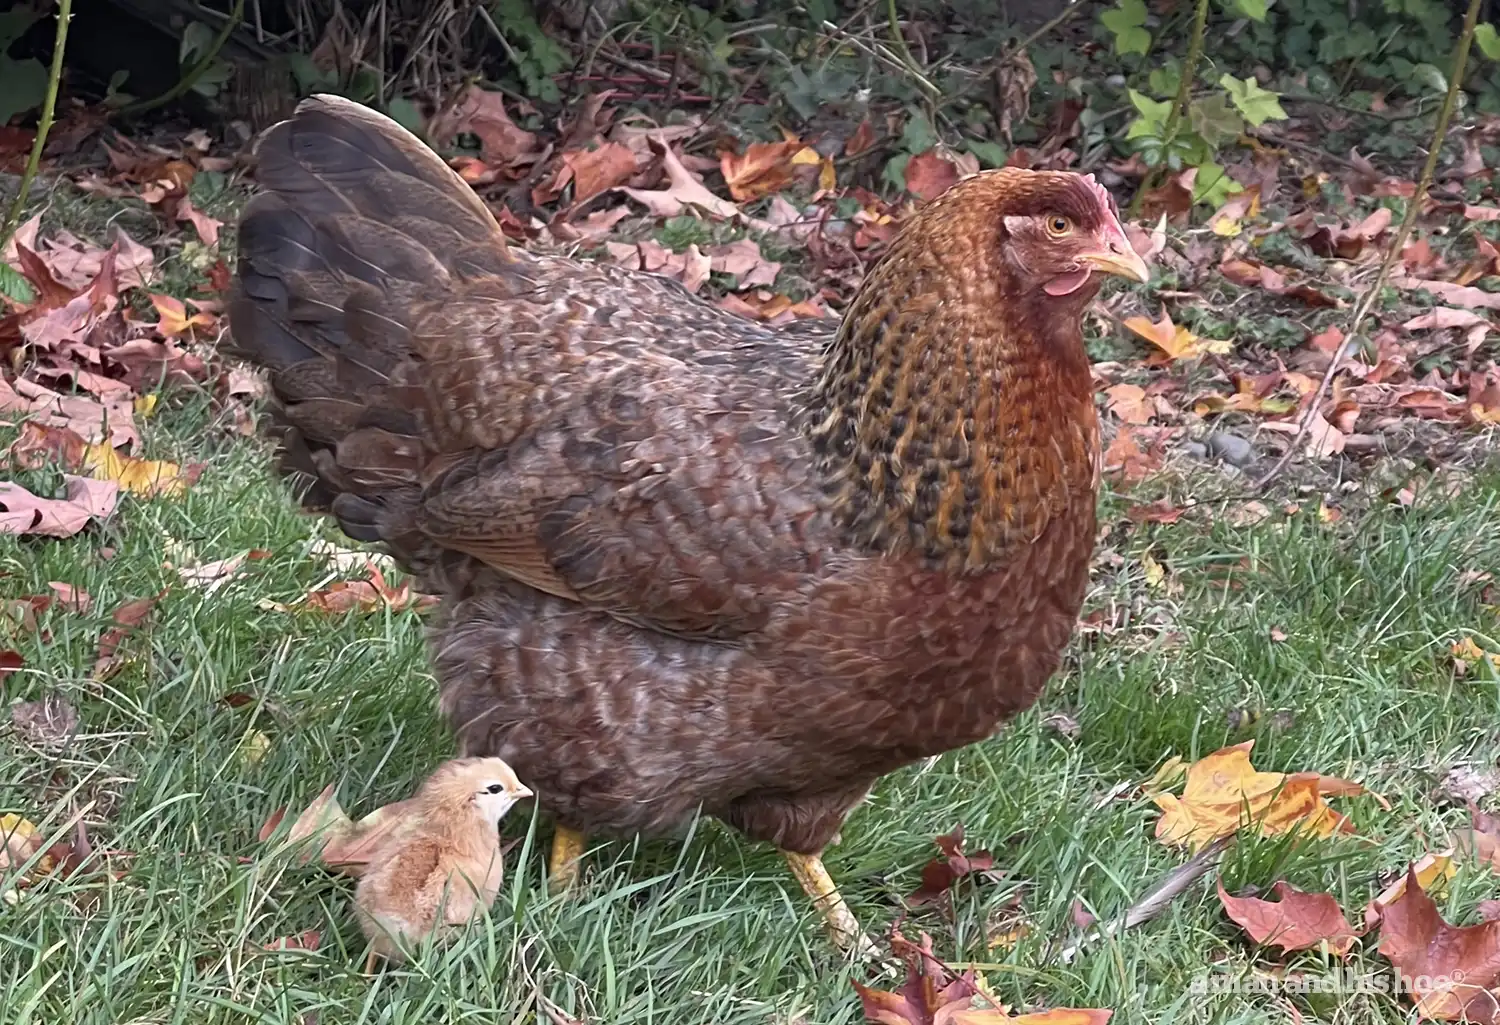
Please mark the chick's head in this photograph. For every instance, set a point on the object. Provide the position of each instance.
(483, 787)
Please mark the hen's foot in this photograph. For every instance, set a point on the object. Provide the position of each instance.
(370, 960)
(564, 863)
(843, 927)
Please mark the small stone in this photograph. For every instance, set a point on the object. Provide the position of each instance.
(1196, 449)
(1231, 448)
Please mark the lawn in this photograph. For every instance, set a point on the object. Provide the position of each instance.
(1323, 632)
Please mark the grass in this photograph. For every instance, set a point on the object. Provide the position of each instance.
(705, 928)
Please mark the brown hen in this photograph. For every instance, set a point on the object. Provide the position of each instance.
(688, 561)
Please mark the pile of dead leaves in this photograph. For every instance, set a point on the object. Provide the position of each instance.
(82, 367)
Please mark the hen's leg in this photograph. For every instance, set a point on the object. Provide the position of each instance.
(563, 865)
(842, 926)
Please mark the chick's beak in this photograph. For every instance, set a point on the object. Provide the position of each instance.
(1115, 255)
(521, 792)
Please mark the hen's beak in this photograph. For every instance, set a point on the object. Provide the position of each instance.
(521, 792)
(1115, 256)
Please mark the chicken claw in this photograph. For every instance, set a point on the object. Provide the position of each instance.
(842, 926)
(563, 864)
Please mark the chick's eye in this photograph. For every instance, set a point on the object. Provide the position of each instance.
(495, 788)
(1059, 225)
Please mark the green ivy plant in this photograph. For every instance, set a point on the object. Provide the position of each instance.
(1210, 121)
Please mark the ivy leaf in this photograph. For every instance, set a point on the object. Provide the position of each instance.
(1155, 112)
(1213, 186)
(990, 154)
(1255, 10)
(1125, 23)
(14, 286)
(1214, 120)
(918, 136)
(1256, 104)
(1488, 40)
(1431, 76)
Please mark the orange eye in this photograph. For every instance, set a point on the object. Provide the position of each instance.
(1057, 225)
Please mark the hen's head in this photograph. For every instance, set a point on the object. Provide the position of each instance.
(1059, 230)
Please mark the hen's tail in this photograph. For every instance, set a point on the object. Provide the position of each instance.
(356, 222)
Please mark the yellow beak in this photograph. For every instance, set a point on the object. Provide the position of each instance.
(1119, 259)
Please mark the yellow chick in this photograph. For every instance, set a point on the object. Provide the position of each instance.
(443, 864)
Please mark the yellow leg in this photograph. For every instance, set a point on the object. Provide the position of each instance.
(370, 962)
(562, 866)
(842, 926)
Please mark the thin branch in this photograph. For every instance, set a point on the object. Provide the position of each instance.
(1398, 243)
(1179, 104)
(43, 125)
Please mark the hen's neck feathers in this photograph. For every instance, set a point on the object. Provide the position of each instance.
(954, 416)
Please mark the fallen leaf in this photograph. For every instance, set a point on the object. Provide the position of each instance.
(743, 259)
(211, 576)
(1296, 920)
(339, 842)
(1128, 402)
(595, 171)
(10, 661)
(929, 995)
(175, 319)
(40, 444)
(19, 842)
(501, 141)
(1444, 316)
(1459, 295)
(145, 477)
(930, 174)
(21, 512)
(126, 618)
(939, 874)
(370, 595)
(1432, 870)
(1461, 962)
(1224, 792)
(1160, 511)
(1481, 841)
(764, 168)
(1174, 342)
(206, 226)
(71, 598)
(683, 190)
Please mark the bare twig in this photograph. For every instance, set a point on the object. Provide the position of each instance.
(43, 125)
(1157, 899)
(1179, 104)
(885, 56)
(1393, 252)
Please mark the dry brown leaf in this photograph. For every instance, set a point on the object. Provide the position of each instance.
(1224, 792)
(764, 168)
(21, 512)
(683, 190)
(1173, 342)
(126, 618)
(939, 874)
(1462, 963)
(502, 142)
(1296, 920)
(595, 171)
(930, 174)
(1128, 402)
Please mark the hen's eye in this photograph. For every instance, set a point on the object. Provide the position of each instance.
(495, 788)
(1059, 225)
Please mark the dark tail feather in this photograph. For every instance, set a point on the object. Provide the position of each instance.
(357, 222)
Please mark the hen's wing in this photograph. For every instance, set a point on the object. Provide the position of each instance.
(598, 434)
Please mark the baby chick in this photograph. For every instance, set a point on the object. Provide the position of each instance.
(444, 863)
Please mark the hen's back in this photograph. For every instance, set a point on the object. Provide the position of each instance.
(598, 434)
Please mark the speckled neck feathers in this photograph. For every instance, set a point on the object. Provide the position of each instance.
(954, 416)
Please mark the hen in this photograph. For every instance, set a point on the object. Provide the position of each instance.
(688, 561)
